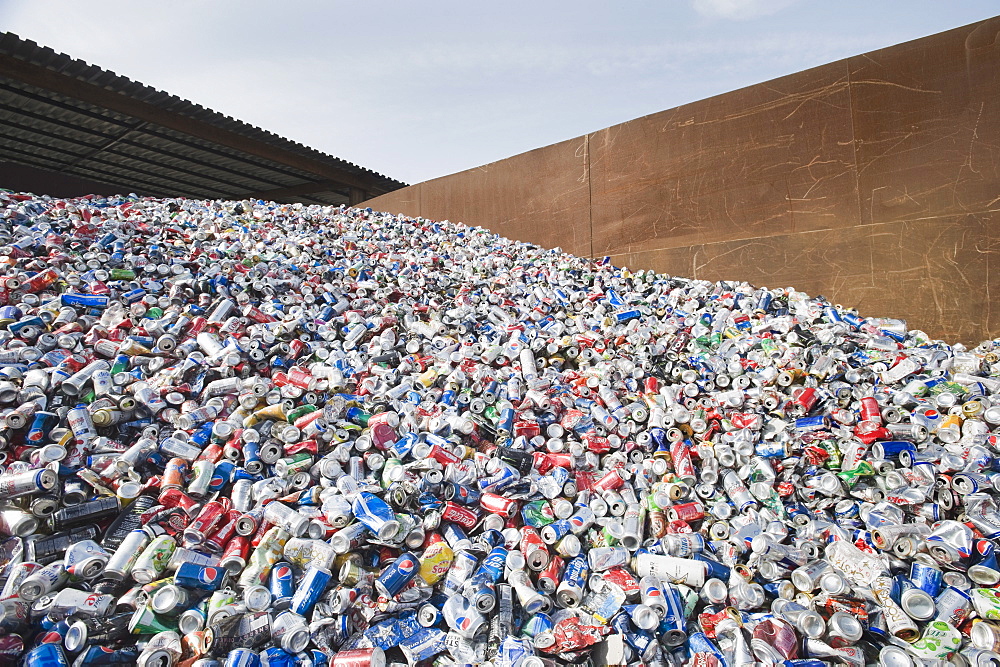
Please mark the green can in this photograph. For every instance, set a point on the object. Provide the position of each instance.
(146, 622)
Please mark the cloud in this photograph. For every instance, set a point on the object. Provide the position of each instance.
(740, 10)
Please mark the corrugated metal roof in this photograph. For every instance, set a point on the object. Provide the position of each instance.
(66, 116)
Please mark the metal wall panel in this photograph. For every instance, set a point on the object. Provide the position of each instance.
(874, 181)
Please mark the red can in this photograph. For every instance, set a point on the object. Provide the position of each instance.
(529, 429)
(623, 579)
(548, 579)
(210, 516)
(534, 549)
(224, 531)
(442, 455)
(177, 498)
(614, 479)
(359, 657)
(806, 399)
(597, 443)
(382, 435)
(495, 504)
(463, 516)
(693, 511)
(870, 410)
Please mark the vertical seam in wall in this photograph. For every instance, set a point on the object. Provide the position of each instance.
(857, 170)
(590, 191)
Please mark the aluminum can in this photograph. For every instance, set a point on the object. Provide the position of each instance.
(360, 657)
(46, 655)
(312, 585)
(398, 574)
(200, 577)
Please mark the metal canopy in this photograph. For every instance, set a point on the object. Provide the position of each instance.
(70, 118)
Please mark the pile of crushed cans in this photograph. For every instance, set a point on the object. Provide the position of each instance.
(248, 434)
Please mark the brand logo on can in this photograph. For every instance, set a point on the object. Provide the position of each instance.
(50, 637)
(463, 623)
(406, 565)
(283, 573)
(208, 575)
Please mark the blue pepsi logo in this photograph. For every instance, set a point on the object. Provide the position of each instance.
(208, 575)
(283, 573)
(406, 565)
(463, 623)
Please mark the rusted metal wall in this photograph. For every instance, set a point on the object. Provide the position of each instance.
(872, 181)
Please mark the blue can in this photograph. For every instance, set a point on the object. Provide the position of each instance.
(671, 628)
(574, 580)
(242, 657)
(817, 423)
(853, 320)
(984, 566)
(461, 493)
(222, 474)
(200, 577)
(506, 421)
(315, 658)
(313, 583)
(891, 449)
(282, 584)
(85, 300)
(251, 455)
(492, 566)
(926, 577)
(423, 645)
(537, 624)
(202, 434)
(133, 296)
(100, 656)
(46, 655)
(398, 574)
(716, 570)
(10, 314)
(626, 315)
(642, 642)
(277, 657)
(699, 642)
(376, 514)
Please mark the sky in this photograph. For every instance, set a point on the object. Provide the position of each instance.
(416, 90)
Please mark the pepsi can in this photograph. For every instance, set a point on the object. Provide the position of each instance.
(313, 583)
(46, 655)
(398, 574)
(98, 656)
(201, 577)
(281, 584)
(242, 657)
